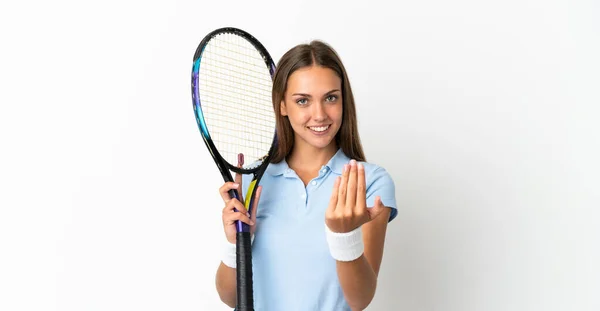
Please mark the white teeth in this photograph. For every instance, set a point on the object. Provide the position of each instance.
(319, 129)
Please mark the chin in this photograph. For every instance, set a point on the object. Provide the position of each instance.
(321, 144)
(318, 140)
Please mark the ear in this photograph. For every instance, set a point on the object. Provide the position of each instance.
(282, 109)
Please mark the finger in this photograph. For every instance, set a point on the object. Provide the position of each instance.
(234, 206)
(351, 192)
(333, 198)
(377, 209)
(224, 190)
(230, 219)
(342, 189)
(361, 201)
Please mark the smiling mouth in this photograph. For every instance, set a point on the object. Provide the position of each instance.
(319, 128)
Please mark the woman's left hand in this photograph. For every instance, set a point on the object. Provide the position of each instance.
(348, 205)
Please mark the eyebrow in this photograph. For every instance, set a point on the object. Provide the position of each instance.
(308, 95)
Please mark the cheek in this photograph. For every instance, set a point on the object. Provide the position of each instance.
(298, 117)
(301, 115)
(336, 112)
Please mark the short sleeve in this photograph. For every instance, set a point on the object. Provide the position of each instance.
(380, 183)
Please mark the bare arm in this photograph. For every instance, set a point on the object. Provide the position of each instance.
(226, 278)
(226, 285)
(347, 211)
(358, 278)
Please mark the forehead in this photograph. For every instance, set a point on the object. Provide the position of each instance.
(314, 79)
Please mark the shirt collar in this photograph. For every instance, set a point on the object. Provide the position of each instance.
(276, 169)
(335, 164)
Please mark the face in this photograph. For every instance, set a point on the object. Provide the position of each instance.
(313, 104)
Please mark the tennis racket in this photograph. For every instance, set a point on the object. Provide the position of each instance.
(231, 92)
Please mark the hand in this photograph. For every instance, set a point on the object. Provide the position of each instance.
(347, 208)
(230, 215)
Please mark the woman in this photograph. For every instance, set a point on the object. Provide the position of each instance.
(320, 227)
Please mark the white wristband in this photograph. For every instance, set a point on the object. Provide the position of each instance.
(228, 255)
(345, 246)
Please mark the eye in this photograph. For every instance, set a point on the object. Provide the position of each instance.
(302, 101)
(331, 98)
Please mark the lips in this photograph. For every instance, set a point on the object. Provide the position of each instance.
(319, 129)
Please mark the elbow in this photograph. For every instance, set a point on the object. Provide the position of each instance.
(365, 300)
(360, 306)
(227, 299)
(226, 290)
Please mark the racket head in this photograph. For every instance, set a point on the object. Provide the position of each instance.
(232, 78)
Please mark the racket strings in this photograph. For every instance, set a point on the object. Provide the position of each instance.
(224, 116)
(240, 70)
(235, 95)
(218, 87)
(237, 101)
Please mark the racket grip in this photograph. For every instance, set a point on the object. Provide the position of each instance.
(245, 293)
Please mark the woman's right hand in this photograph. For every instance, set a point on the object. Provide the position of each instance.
(230, 215)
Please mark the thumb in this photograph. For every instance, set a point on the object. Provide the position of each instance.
(377, 209)
(238, 177)
(254, 210)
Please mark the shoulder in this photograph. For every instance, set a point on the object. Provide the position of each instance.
(377, 174)
(379, 182)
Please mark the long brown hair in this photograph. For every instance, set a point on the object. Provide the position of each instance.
(306, 55)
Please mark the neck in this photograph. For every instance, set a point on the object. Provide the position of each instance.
(307, 158)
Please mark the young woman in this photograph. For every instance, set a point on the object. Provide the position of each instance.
(321, 210)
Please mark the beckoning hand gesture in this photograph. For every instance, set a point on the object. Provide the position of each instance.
(348, 205)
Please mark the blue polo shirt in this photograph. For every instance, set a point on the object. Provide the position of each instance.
(292, 266)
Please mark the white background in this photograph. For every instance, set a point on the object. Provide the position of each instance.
(485, 113)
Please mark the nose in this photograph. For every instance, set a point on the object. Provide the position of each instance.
(319, 113)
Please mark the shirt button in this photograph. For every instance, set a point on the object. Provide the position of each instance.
(303, 195)
(314, 183)
(323, 171)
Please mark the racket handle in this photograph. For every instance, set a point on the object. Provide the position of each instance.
(245, 293)
(239, 225)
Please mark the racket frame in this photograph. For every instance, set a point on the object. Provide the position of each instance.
(243, 239)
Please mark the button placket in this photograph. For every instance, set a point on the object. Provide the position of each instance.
(290, 173)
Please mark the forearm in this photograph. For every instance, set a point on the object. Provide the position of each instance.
(358, 282)
(226, 284)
